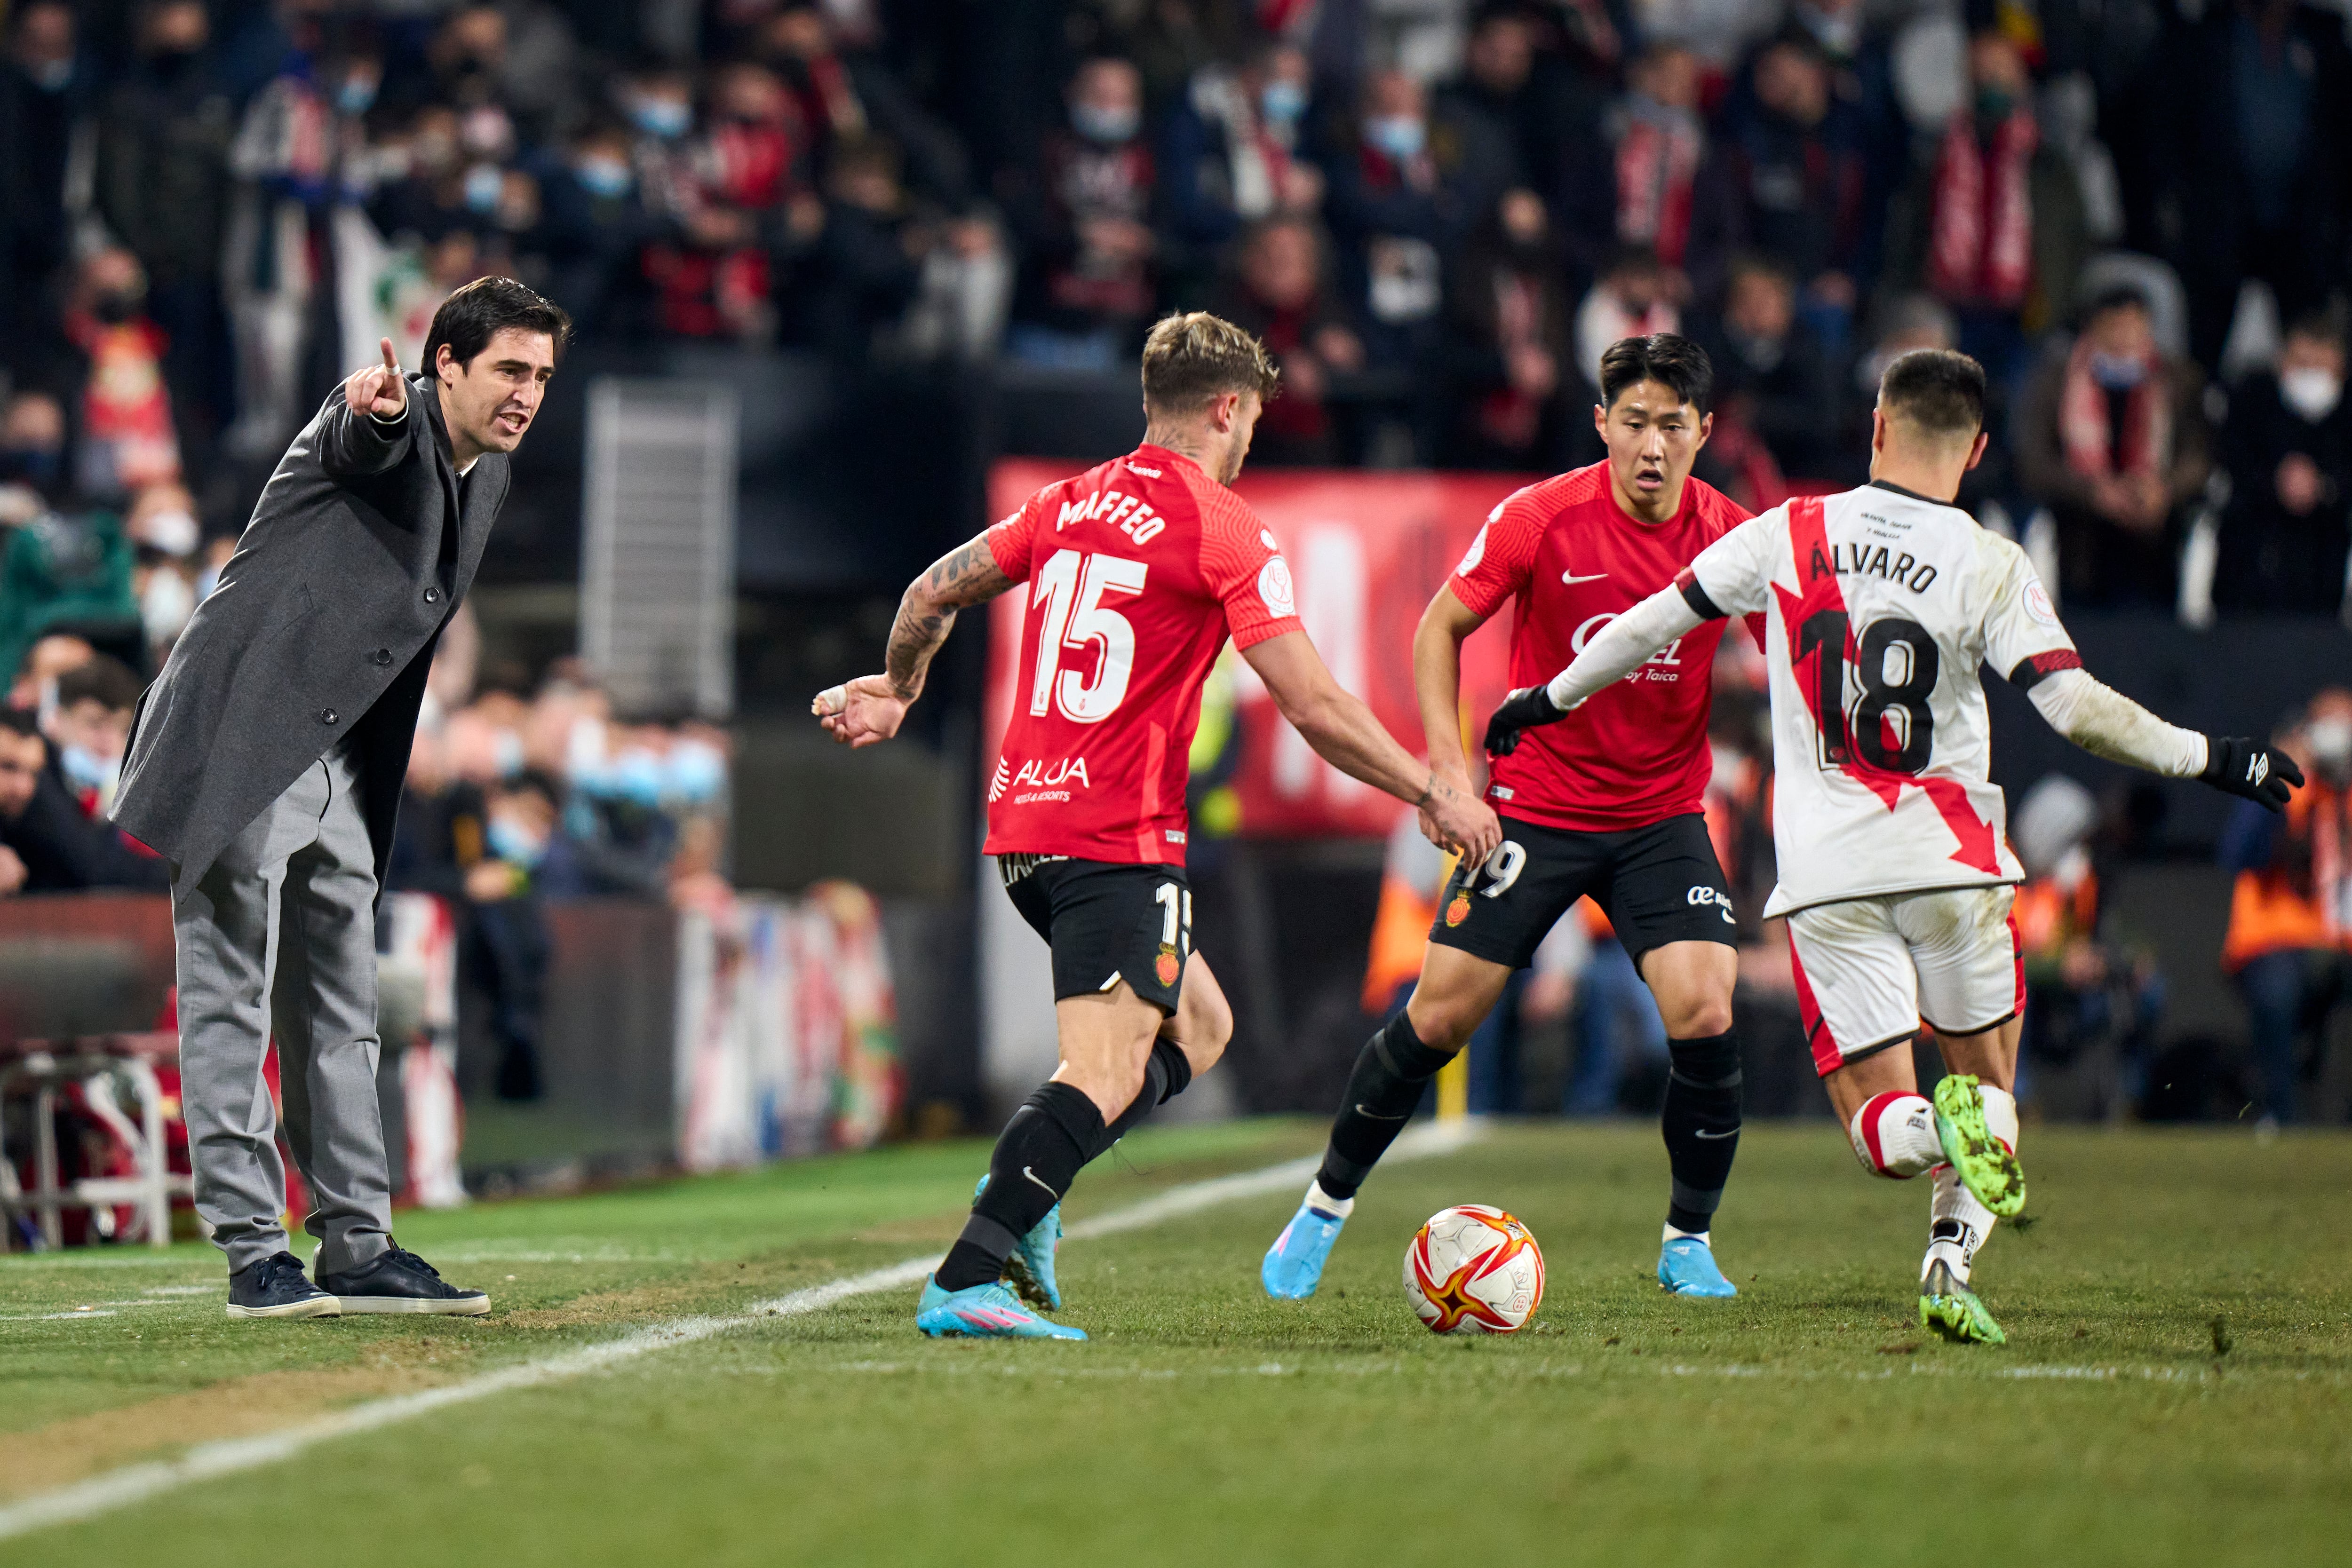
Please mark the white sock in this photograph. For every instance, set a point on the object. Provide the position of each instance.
(1956, 1226)
(1324, 1204)
(2000, 1113)
(1894, 1136)
(1674, 1234)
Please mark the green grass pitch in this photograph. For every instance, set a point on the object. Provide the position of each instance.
(2175, 1391)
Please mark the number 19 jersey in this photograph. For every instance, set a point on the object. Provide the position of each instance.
(1880, 605)
(1137, 570)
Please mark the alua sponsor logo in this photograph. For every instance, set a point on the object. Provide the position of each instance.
(1049, 775)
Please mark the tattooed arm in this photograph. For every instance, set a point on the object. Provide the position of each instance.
(869, 709)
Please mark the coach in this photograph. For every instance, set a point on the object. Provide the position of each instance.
(265, 765)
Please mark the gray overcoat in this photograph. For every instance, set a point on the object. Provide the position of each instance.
(323, 624)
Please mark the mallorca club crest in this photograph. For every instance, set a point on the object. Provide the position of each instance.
(1459, 909)
(1167, 967)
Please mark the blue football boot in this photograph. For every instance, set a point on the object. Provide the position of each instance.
(1294, 1264)
(1686, 1268)
(1029, 1266)
(982, 1312)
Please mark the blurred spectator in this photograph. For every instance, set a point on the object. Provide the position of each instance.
(2110, 436)
(1509, 315)
(42, 94)
(893, 283)
(62, 571)
(1492, 127)
(1992, 224)
(2291, 910)
(51, 846)
(32, 456)
(1770, 375)
(595, 219)
(2287, 448)
(747, 203)
(128, 436)
(49, 657)
(1634, 296)
(1233, 150)
(1279, 293)
(284, 160)
(88, 726)
(1647, 179)
(504, 943)
(1087, 283)
(164, 534)
(848, 94)
(2254, 144)
(658, 102)
(1394, 208)
(1795, 170)
(163, 185)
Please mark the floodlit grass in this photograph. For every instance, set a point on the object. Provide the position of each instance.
(1810, 1421)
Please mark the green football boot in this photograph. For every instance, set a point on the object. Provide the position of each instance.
(1987, 1167)
(1950, 1309)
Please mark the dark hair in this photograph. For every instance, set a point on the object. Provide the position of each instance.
(1937, 390)
(2324, 325)
(104, 680)
(2115, 297)
(1192, 358)
(20, 721)
(478, 311)
(1669, 359)
(535, 781)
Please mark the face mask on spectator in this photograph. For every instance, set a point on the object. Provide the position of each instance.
(2330, 740)
(1282, 102)
(2118, 373)
(1401, 136)
(696, 772)
(85, 769)
(173, 532)
(484, 185)
(53, 77)
(165, 608)
(2311, 391)
(664, 117)
(514, 843)
(356, 96)
(1105, 123)
(636, 777)
(607, 177)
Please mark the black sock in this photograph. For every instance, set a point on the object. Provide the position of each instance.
(1383, 1091)
(1165, 1076)
(1039, 1155)
(1701, 1125)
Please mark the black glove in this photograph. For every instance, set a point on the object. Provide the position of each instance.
(1527, 706)
(2261, 774)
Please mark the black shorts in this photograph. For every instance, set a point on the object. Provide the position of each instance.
(1106, 923)
(1657, 884)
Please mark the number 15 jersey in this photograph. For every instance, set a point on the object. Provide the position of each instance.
(1137, 570)
(1880, 605)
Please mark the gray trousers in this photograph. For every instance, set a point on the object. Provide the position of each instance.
(277, 936)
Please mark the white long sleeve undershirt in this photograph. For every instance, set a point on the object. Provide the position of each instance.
(1619, 648)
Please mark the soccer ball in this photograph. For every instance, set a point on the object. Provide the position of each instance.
(1474, 1270)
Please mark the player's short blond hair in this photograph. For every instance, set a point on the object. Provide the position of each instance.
(1190, 358)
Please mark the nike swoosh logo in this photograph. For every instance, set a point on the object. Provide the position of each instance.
(1703, 1132)
(1032, 1175)
(1571, 577)
(1376, 1117)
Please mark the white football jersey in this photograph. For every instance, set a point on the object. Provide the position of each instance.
(1881, 604)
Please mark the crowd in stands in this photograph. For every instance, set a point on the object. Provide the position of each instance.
(1438, 212)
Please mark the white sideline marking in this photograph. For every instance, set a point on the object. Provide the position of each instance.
(137, 1483)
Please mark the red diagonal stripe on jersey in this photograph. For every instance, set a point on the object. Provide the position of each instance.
(1818, 590)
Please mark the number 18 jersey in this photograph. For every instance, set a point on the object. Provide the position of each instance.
(1880, 605)
(1137, 570)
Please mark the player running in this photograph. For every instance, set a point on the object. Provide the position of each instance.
(1608, 805)
(1896, 872)
(1139, 570)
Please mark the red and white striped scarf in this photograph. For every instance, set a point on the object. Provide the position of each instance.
(2090, 434)
(1980, 241)
(1657, 160)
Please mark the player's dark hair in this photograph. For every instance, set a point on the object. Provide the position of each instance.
(1938, 390)
(478, 311)
(1669, 359)
(107, 682)
(1192, 358)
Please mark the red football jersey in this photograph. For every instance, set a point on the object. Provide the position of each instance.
(1636, 754)
(1138, 570)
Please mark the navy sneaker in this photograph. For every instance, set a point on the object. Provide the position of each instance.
(400, 1282)
(275, 1287)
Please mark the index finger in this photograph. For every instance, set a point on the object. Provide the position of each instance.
(390, 361)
